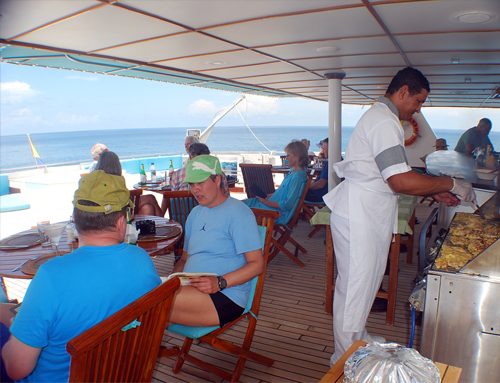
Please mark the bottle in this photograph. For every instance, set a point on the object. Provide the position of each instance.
(171, 170)
(152, 169)
(143, 176)
(490, 158)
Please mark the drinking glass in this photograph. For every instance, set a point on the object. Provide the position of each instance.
(40, 225)
(54, 232)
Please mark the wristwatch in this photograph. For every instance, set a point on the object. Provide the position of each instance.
(222, 283)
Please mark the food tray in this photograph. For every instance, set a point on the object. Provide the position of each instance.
(21, 241)
(162, 233)
(468, 236)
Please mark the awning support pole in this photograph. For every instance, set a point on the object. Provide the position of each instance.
(334, 124)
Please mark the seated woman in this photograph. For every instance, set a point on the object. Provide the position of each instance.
(110, 163)
(286, 197)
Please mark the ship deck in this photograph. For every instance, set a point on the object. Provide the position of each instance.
(293, 328)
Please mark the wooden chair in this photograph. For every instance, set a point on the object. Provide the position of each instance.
(179, 204)
(259, 175)
(107, 352)
(284, 231)
(135, 196)
(211, 335)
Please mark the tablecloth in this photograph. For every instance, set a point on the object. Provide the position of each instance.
(406, 206)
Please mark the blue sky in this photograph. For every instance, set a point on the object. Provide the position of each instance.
(36, 100)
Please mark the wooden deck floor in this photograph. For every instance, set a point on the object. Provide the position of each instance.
(293, 328)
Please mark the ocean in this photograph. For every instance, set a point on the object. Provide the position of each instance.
(74, 147)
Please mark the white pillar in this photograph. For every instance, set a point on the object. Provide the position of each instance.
(334, 124)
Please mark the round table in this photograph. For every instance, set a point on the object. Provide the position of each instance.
(10, 259)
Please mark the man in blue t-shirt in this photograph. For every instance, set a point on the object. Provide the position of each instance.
(72, 293)
(221, 237)
(319, 187)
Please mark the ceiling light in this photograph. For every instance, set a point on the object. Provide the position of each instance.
(455, 61)
(328, 49)
(475, 17)
(216, 62)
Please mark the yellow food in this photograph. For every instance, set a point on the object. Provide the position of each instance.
(469, 236)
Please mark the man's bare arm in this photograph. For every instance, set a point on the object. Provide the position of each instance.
(19, 358)
(414, 183)
(321, 183)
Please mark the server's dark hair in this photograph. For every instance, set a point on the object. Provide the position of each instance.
(412, 77)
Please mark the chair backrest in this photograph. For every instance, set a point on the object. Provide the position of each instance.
(293, 221)
(265, 218)
(179, 205)
(135, 196)
(258, 174)
(107, 352)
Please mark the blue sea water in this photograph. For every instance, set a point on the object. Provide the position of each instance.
(74, 147)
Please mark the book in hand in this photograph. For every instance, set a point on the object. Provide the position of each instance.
(257, 191)
(185, 277)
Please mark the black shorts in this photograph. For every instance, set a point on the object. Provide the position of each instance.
(227, 310)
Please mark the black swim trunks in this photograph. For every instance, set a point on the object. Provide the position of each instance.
(227, 310)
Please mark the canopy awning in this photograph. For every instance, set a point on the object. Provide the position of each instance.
(275, 48)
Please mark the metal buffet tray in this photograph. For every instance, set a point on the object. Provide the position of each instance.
(487, 263)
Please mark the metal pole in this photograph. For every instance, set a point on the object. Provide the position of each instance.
(334, 124)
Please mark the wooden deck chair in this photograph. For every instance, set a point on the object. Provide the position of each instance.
(135, 196)
(258, 174)
(309, 209)
(283, 232)
(211, 335)
(179, 204)
(124, 347)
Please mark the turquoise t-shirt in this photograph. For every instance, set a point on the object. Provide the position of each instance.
(216, 240)
(72, 293)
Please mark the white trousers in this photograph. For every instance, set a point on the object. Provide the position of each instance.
(344, 339)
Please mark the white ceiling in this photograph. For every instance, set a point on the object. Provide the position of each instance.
(269, 47)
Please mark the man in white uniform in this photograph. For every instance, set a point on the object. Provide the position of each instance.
(364, 206)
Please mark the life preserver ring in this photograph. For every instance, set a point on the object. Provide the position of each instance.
(415, 134)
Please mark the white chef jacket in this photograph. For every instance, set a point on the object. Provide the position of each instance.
(375, 152)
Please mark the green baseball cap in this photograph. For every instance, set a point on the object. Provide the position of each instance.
(106, 190)
(201, 167)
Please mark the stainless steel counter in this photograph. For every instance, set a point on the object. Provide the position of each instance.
(451, 161)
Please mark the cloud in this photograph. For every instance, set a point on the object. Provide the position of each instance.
(203, 107)
(260, 105)
(75, 119)
(24, 112)
(14, 92)
(84, 78)
(252, 106)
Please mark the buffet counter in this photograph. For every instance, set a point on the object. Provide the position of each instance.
(461, 324)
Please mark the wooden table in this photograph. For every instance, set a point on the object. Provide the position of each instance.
(10, 259)
(449, 374)
(406, 224)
